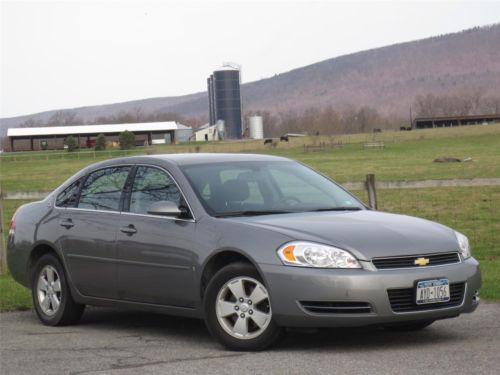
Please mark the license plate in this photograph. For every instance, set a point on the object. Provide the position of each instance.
(432, 291)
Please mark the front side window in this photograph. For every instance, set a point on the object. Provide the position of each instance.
(103, 189)
(152, 185)
(69, 196)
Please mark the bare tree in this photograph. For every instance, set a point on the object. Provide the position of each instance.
(464, 103)
(138, 114)
(31, 122)
(63, 118)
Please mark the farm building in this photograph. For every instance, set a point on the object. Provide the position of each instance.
(54, 136)
(448, 121)
(206, 133)
(182, 134)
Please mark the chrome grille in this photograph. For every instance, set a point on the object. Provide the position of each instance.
(409, 261)
(403, 300)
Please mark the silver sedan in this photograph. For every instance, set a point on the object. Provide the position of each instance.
(252, 244)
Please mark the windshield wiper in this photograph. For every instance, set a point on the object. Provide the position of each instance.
(347, 208)
(252, 213)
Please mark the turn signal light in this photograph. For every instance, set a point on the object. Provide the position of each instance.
(288, 253)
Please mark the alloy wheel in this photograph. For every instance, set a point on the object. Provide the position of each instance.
(243, 308)
(49, 290)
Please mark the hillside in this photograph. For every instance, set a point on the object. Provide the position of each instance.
(387, 79)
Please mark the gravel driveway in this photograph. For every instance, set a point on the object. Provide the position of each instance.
(117, 342)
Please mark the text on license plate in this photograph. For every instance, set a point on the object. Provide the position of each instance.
(433, 291)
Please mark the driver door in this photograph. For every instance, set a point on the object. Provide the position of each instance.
(156, 260)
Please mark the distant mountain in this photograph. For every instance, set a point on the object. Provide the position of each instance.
(91, 113)
(387, 79)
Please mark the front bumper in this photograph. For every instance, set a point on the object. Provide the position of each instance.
(289, 285)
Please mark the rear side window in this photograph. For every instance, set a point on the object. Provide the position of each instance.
(103, 189)
(69, 196)
(152, 185)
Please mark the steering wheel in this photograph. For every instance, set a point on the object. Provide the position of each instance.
(290, 201)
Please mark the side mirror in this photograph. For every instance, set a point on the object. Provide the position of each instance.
(164, 208)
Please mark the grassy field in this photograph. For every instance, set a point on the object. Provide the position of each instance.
(13, 296)
(407, 156)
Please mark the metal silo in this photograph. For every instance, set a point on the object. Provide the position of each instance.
(211, 100)
(221, 129)
(256, 128)
(225, 99)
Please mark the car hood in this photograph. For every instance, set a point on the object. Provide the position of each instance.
(367, 234)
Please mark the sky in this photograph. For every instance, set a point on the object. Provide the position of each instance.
(69, 54)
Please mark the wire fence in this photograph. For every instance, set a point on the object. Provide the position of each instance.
(58, 155)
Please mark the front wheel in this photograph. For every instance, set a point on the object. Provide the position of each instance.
(52, 298)
(238, 309)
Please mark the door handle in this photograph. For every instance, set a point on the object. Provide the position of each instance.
(68, 223)
(129, 229)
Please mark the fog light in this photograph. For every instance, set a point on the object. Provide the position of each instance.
(475, 298)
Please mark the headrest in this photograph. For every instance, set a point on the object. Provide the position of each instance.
(235, 190)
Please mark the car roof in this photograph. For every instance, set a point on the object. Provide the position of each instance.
(195, 158)
(198, 158)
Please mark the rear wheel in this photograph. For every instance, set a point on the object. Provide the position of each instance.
(414, 326)
(52, 298)
(238, 309)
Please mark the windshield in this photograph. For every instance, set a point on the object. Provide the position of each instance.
(259, 188)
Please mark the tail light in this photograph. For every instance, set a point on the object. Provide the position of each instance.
(12, 226)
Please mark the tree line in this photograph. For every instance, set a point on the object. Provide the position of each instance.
(462, 104)
(135, 115)
(327, 120)
(352, 119)
(313, 120)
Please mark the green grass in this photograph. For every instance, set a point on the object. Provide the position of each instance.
(408, 160)
(406, 156)
(12, 295)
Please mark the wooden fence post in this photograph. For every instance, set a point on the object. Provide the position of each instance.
(3, 249)
(372, 192)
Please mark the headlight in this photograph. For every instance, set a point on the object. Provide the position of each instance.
(307, 254)
(463, 245)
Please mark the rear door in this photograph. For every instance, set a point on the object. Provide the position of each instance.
(156, 258)
(88, 229)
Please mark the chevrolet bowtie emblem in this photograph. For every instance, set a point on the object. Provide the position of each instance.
(422, 261)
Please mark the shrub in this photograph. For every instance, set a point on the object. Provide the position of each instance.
(100, 143)
(127, 140)
(72, 144)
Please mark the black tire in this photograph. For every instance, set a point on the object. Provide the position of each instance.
(266, 338)
(408, 327)
(68, 311)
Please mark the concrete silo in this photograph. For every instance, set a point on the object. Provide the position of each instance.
(211, 100)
